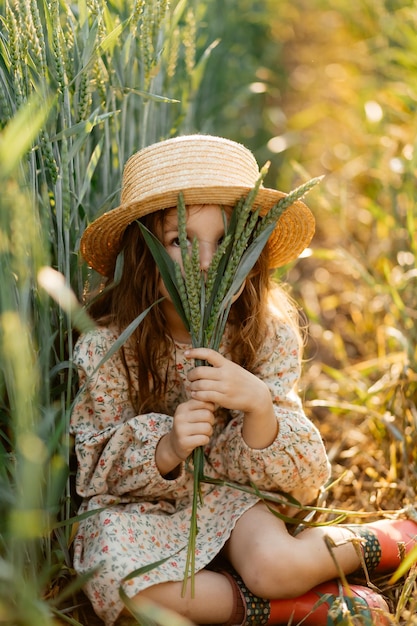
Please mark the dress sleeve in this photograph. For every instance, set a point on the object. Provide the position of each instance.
(296, 462)
(115, 448)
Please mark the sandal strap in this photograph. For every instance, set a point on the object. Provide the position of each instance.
(256, 610)
(371, 547)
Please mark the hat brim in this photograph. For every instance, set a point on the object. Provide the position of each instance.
(101, 241)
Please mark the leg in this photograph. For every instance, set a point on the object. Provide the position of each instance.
(213, 601)
(276, 565)
(273, 564)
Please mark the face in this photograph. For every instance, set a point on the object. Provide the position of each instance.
(204, 223)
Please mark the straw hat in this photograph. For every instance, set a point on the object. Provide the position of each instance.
(207, 170)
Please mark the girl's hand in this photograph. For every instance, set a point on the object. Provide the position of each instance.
(229, 385)
(192, 427)
(225, 383)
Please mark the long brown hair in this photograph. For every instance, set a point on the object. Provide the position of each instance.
(138, 289)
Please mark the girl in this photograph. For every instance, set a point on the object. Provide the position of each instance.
(141, 413)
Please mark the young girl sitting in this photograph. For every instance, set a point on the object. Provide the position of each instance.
(141, 412)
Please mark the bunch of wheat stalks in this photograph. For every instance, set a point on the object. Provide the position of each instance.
(203, 300)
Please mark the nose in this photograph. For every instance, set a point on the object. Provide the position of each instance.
(207, 251)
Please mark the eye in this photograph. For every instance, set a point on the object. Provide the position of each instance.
(175, 242)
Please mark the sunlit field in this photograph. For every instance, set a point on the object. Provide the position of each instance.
(323, 88)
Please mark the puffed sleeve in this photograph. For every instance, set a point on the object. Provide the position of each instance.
(115, 448)
(296, 462)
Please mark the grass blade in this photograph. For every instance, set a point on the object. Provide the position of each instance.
(166, 267)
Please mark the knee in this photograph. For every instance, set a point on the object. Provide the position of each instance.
(275, 574)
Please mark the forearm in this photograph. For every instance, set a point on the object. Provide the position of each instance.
(167, 462)
(260, 425)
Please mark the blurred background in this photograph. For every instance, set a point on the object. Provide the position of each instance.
(317, 88)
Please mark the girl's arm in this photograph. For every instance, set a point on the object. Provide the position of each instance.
(116, 449)
(293, 458)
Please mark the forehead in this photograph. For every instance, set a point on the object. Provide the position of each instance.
(170, 216)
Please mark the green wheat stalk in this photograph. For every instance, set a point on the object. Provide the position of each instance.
(204, 305)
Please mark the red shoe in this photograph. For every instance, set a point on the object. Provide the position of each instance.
(386, 542)
(328, 604)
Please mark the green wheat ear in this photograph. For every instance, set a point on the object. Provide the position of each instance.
(284, 203)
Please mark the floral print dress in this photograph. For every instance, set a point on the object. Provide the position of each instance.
(140, 516)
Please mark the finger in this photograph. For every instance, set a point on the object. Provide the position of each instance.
(210, 379)
(205, 354)
(184, 432)
(204, 390)
(208, 395)
(200, 427)
(194, 411)
(198, 440)
(198, 404)
(201, 377)
(204, 428)
(202, 416)
(204, 373)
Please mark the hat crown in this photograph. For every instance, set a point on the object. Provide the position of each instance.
(193, 161)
